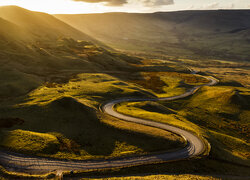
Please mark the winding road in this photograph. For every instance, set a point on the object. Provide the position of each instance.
(38, 165)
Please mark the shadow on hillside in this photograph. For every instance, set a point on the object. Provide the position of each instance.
(80, 123)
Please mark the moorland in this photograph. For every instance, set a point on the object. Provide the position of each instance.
(56, 71)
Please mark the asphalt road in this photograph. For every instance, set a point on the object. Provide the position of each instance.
(38, 165)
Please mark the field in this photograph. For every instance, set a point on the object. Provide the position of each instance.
(41, 123)
(220, 114)
(61, 120)
(171, 177)
(55, 77)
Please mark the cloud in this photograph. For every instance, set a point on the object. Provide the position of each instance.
(212, 6)
(158, 2)
(122, 2)
(107, 2)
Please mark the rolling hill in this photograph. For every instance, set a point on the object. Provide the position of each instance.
(41, 25)
(54, 79)
(36, 48)
(193, 34)
(11, 31)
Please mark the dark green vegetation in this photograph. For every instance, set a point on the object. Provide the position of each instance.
(222, 115)
(165, 84)
(53, 78)
(51, 89)
(70, 126)
(27, 67)
(220, 34)
(28, 60)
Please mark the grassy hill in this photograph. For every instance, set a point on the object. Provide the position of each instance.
(63, 121)
(11, 31)
(53, 79)
(26, 64)
(194, 34)
(48, 73)
(41, 25)
(221, 114)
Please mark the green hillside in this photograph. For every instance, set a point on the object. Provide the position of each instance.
(51, 88)
(220, 114)
(25, 66)
(54, 77)
(222, 34)
(63, 121)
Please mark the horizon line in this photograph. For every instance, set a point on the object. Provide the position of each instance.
(169, 11)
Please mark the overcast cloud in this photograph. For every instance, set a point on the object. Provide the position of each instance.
(158, 2)
(107, 2)
(140, 6)
(122, 2)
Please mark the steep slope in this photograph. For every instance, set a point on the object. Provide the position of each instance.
(11, 31)
(25, 66)
(122, 30)
(206, 34)
(34, 49)
(41, 25)
(223, 109)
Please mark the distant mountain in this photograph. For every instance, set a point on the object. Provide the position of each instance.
(11, 31)
(197, 34)
(36, 48)
(41, 25)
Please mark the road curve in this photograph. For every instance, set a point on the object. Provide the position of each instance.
(38, 165)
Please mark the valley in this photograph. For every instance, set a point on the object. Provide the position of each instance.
(74, 86)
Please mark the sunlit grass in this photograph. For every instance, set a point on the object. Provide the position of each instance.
(166, 84)
(90, 88)
(29, 142)
(136, 110)
(70, 111)
(163, 177)
(217, 113)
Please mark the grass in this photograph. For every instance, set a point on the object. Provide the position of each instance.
(91, 88)
(26, 66)
(165, 84)
(137, 109)
(68, 112)
(162, 177)
(228, 72)
(29, 142)
(46, 91)
(212, 113)
(55, 109)
(51, 91)
(49, 105)
(225, 107)
(16, 175)
(15, 83)
(212, 168)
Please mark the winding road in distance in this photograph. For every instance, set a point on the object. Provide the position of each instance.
(38, 165)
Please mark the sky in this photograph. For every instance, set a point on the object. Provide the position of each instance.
(141, 6)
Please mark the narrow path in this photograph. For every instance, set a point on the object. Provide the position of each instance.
(38, 165)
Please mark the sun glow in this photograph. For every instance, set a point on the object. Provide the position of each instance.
(58, 6)
(80, 7)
